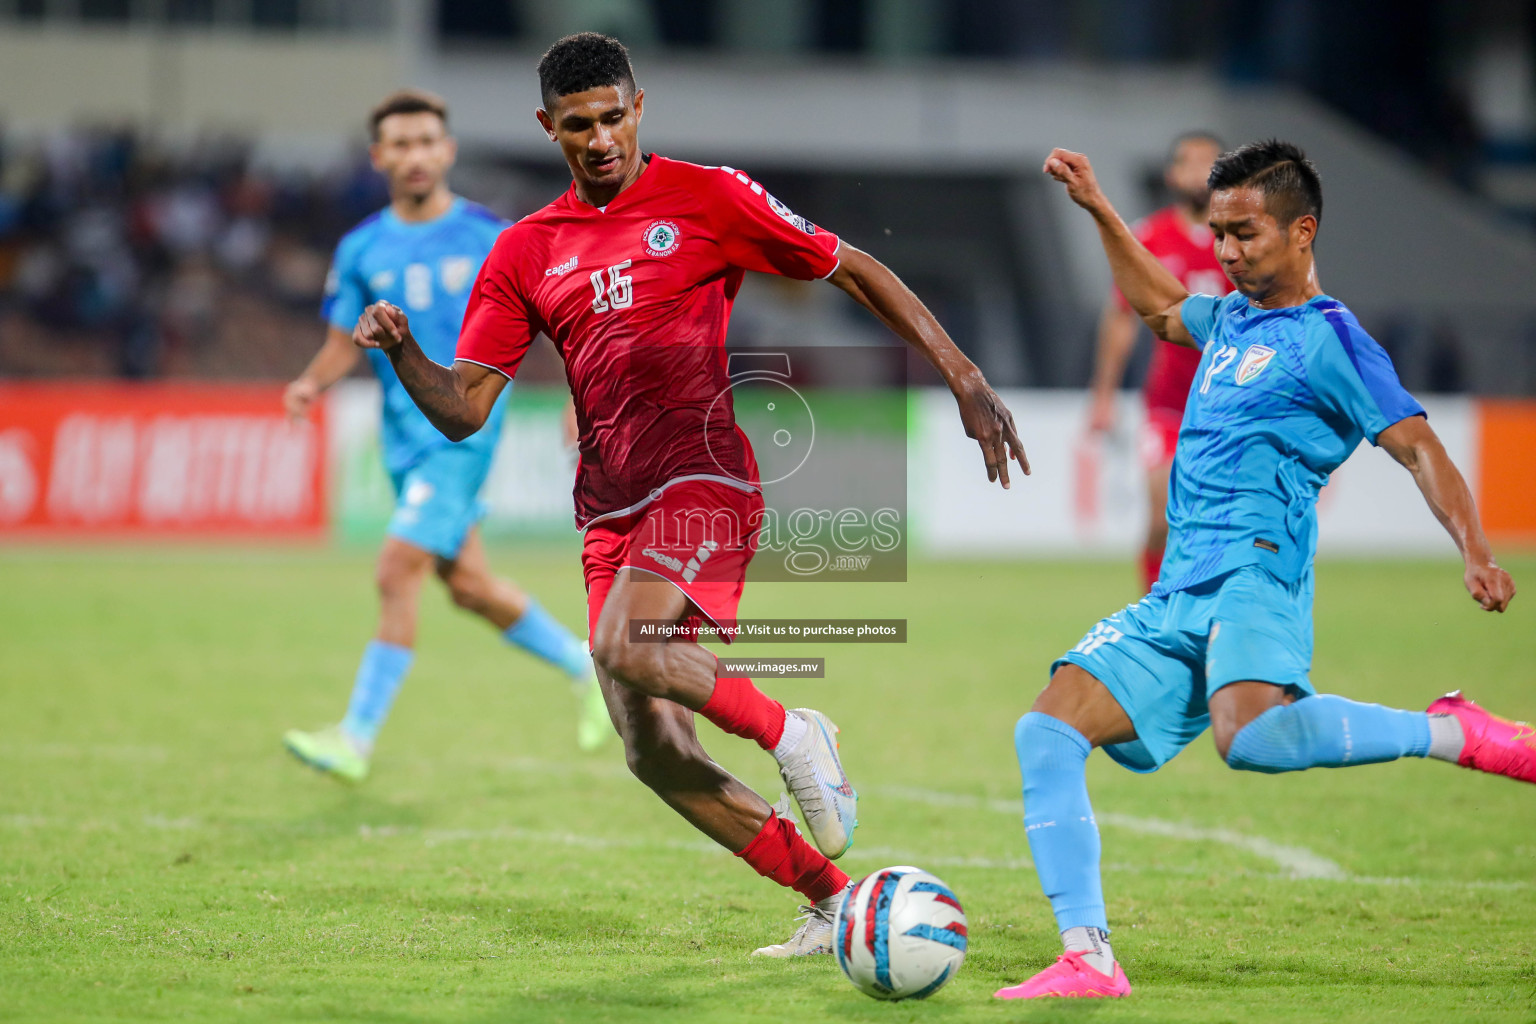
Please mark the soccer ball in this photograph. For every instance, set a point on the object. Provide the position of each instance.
(899, 934)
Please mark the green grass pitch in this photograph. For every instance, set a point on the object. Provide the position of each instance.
(162, 858)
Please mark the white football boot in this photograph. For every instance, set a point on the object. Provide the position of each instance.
(815, 778)
(814, 936)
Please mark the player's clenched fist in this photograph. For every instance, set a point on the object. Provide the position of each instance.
(1490, 587)
(1074, 171)
(382, 326)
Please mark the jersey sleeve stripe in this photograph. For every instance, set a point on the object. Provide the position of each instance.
(837, 261)
(488, 366)
(1374, 366)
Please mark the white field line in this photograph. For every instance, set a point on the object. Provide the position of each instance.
(1293, 862)
(873, 854)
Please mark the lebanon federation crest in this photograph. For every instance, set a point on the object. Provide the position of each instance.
(1254, 361)
(661, 238)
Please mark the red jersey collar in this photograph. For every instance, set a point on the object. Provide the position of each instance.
(641, 185)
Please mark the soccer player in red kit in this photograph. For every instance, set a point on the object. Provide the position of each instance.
(1180, 239)
(632, 273)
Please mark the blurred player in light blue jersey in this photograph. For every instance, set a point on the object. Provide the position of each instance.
(422, 253)
(1287, 386)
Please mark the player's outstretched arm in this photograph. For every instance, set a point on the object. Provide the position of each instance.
(1153, 292)
(873, 285)
(334, 361)
(1413, 443)
(457, 399)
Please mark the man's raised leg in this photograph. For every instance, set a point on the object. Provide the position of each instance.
(1259, 727)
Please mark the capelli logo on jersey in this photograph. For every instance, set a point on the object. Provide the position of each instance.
(563, 269)
(661, 238)
(675, 564)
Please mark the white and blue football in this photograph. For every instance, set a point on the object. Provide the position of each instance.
(900, 933)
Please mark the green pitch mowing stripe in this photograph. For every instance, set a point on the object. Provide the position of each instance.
(161, 857)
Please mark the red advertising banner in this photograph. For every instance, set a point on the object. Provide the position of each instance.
(163, 460)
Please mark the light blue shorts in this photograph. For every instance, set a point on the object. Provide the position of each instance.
(1163, 657)
(437, 500)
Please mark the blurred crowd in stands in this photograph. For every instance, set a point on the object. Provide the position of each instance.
(119, 257)
(123, 258)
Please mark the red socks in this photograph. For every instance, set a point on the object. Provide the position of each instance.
(1151, 567)
(741, 709)
(781, 853)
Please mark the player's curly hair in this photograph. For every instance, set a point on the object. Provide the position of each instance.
(586, 60)
(1280, 170)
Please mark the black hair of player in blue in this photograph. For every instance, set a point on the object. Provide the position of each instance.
(1280, 170)
(586, 60)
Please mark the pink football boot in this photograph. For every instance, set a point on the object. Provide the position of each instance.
(1069, 976)
(1494, 745)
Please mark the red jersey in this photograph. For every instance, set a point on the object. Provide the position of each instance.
(635, 296)
(1188, 251)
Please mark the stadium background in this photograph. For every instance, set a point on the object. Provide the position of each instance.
(174, 173)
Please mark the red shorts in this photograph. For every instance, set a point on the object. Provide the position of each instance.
(1160, 437)
(698, 535)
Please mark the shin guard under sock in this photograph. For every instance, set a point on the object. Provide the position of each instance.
(1058, 819)
(781, 853)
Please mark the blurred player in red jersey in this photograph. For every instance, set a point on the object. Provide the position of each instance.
(632, 273)
(1181, 240)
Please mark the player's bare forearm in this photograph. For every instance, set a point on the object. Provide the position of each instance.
(1117, 337)
(1414, 444)
(438, 391)
(873, 285)
(457, 400)
(334, 360)
(1150, 288)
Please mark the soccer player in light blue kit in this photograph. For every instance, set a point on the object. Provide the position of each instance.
(1288, 385)
(422, 253)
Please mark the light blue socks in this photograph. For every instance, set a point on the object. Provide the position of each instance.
(1328, 732)
(538, 633)
(1063, 837)
(379, 675)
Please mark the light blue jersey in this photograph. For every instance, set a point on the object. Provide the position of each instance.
(1281, 398)
(428, 270)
